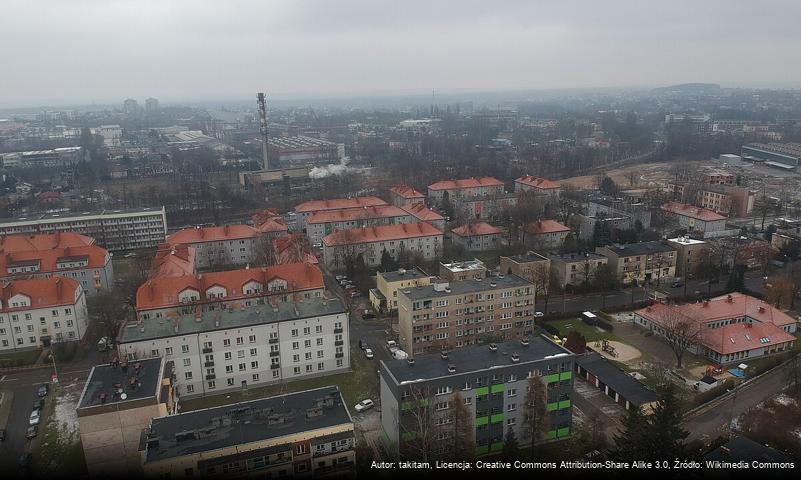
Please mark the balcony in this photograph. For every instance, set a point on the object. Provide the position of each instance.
(337, 330)
(339, 355)
(272, 340)
(275, 366)
(275, 354)
(211, 377)
(208, 364)
(338, 343)
(207, 350)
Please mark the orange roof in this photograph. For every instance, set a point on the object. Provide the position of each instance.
(471, 229)
(212, 234)
(691, 211)
(293, 248)
(163, 291)
(769, 322)
(465, 183)
(171, 261)
(537, 182)
(421, 212)
(545, 226)
(338, 204)
(48, 259)
(43, 292)
(378, 211)
(380, 233)
(406, 191)
(44, 241)
(268, 220)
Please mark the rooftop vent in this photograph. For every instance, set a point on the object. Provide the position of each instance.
(515, 358)
(761, 309)
(451, 368)
(493, 347)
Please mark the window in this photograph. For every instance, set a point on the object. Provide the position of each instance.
(229, 369)
(252, 339)
(211, 385)
(307, 343)
(468, 400)
(511, 407)
(255, 377)
(444, 390)
(188, 375)
(187, 362)
(253, 352)
(226, 342)
(190, 389)
(318, 329)
(230, 382)
(254, 364)
(319, 342)
(301, 449)
(512, 392)
(242, 366)
(229, 355)
(294, 332)
(295, 345)
(240, 354)
(168, 351)
(296, 370)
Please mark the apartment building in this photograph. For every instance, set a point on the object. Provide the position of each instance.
(117, 403)
(464, 270)
(294, 435)
(167, 297)
(464, 188)
(530, 265)
(307, 209)
(537, 185)
(720, 198)
(640, 263)
(385, 296)
(65, 254)
(575, 268)
(544, 235)
(245, 346)
(403, 195)
(293, 248)
(173, 261)
(370, 243)
(493, 381)
(485, 207)
(690, 255)
(223, 245)
(447, 315)
(37, 312)
(694, 218)
(324, 223)
(269, 222)
(726, 329)
(477, 237)
(425, 214)
(114, 230)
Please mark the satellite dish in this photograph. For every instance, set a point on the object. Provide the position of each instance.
(124, 396)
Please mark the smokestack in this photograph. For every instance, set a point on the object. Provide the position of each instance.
(263, 121)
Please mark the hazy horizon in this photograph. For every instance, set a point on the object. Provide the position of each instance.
(88, 52)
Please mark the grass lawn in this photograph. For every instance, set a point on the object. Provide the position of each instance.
(60, 452)
(356, 385)
(590, 333)
(18, 359)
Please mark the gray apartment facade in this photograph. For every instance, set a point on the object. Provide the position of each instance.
(492, 381)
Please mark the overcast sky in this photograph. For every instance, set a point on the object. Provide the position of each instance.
(81, 51)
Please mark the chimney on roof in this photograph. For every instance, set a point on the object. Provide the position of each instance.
(729, 298)
(761, 309)
(58, 287)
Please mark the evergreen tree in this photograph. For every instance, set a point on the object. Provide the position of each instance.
(511, 449)
(665, 426)
(629, 443)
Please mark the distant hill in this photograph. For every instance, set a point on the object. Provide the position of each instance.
(688, 88)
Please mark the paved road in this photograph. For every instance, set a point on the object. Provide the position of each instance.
(711, 422)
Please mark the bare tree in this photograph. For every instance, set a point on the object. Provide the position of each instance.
(417, 424)
(680, 330)
(464, 441)
(536, 419)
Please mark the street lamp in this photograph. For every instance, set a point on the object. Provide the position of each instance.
(55, 370)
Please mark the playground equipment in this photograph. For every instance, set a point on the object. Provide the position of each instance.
(608, 348)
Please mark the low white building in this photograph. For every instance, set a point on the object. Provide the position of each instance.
(39, 311)
(241, 347)
(370, 243)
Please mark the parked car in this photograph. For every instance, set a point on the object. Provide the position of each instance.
(35, 418)
(354, 293)
(368, 316)
(368, 353)
(38, 404)
(43, 390)
(318, 245)
(364, 405)
(341, 277)
(539, 314)
(392, 344)
(677, 284)
(399, 354)
(345, 282)
(2, 434)
(363, 345)
(32, 432)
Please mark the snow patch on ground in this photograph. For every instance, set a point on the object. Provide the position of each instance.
(66, 412)
(785, 400)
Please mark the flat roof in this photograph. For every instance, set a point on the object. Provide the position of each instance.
(686, 241)
(227, 319)
(635, 392)
(472, 359)
(642, 248)
(744, 449)
(404, 274)
(467, 286)
(136, 380)
(36, 217)
(576, 257)
(464, 266)
(528, 257)
(245, 422)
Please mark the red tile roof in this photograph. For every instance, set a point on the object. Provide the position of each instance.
(269, 221)
(172, 261)
(45, 241)
(734, 337)
(212, 234)
(545, 226)
(47, 259)
(43, 292)
(537, 182)
(471, 229)
(465, 183)
(692, 211)
(380, 233)
(293, 248)
(423, 213)
(378, 211)
(163, 292)
(406, 191)
(338, 204)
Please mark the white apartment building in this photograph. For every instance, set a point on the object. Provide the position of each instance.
(307, 209)
(325, 223)
(40, 311)
(345, 246)
(223, 245)
(237, 348)
(113, 230)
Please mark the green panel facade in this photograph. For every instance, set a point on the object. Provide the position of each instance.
(482, 421)
(565, 375)
(497, 388)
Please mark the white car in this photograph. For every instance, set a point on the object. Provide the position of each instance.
(34, 420)
(364, 405)
(539, 314)
(368, 353)
(392, 344)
